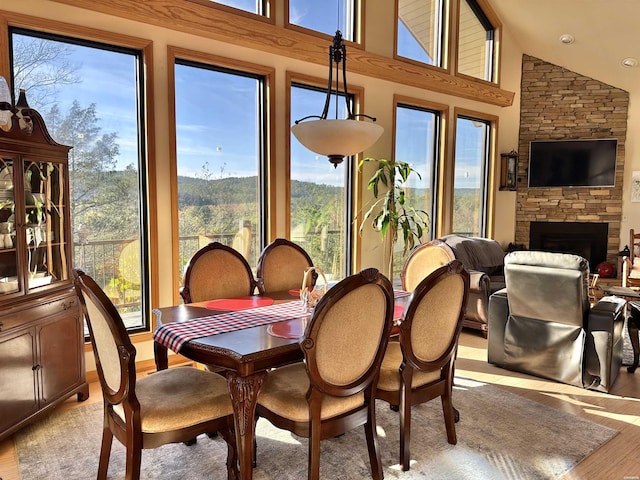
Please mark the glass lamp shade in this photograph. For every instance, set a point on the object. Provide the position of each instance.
(337, 138)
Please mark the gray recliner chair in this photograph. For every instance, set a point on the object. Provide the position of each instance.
(542, 323)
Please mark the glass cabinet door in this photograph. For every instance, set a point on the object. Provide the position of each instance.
(45, 238)
(8, 252)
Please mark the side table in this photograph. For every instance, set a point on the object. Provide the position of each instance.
(633, 318)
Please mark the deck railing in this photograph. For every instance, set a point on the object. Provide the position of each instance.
(101, 260)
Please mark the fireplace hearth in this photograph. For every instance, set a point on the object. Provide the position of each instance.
(589, 240)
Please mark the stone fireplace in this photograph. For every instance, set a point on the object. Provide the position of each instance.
(558, 104)
(589, 240)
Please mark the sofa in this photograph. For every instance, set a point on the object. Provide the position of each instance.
(481, 257)
(542, 323)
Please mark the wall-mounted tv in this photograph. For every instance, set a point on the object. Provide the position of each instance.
(572, 163)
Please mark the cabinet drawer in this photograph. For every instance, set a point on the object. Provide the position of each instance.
(21, 315)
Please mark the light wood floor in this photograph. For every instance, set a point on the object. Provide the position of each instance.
(619, 459)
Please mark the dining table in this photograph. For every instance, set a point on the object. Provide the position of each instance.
(242, 338)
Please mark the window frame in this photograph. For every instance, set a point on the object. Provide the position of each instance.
(440, 154)
(146, 123)
(266, 168)
(489, 168)
(265, 15)
(487, 17)
(445, 39)
(358, 25)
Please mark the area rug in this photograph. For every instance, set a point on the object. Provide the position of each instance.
(500, 436)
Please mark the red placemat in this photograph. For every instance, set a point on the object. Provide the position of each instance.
(290, 329)
(239, 303)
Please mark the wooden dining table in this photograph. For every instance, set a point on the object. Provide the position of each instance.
(243, 355)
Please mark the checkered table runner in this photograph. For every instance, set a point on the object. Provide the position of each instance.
(174, 335)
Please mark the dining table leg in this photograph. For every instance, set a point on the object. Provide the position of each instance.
(244, 395)
(161, 356)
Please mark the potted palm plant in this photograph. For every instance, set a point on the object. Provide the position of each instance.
(391, 210)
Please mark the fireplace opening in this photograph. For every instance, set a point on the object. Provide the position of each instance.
(589, 240)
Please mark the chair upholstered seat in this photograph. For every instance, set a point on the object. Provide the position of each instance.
(334, 390)
(390, 371)
(165, 403)
(169, 406)
(285, 394)
(419, 366)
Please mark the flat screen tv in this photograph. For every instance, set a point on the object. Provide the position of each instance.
(572, 163)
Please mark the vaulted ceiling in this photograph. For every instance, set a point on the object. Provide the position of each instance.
(605, 32)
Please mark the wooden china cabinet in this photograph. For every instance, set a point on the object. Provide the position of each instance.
(41, 326)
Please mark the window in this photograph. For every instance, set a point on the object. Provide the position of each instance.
(320, 209)
(258, 7)
(417, 132)
(325, 17)
(475, 42)
(71, 83)
(470, 177)
(220, 156)
(420, 32)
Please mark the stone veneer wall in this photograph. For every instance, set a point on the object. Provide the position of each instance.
(557, 104)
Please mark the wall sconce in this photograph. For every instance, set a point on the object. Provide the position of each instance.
(509, 170)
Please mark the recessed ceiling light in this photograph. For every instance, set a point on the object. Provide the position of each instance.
(630, 62)
(567, 39)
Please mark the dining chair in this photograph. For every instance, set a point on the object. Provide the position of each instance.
(217, 271)
(423, 260)
(419, 367)
(281, 266)
(631, 264)
(333, 390)
(169, 406)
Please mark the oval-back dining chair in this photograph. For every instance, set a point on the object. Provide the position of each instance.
(423, 260)
(420, 366)
(217, 271)
(169, 406)
(281, 266)
(333, 391)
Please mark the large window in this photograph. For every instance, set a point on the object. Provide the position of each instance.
(420, 32)
(417, 132)
(321, 217)
(470, 179)
(90, 97)
(220, 152)
(475, 42)
(325, 16)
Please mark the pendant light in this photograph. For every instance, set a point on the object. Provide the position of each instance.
(337, 138)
